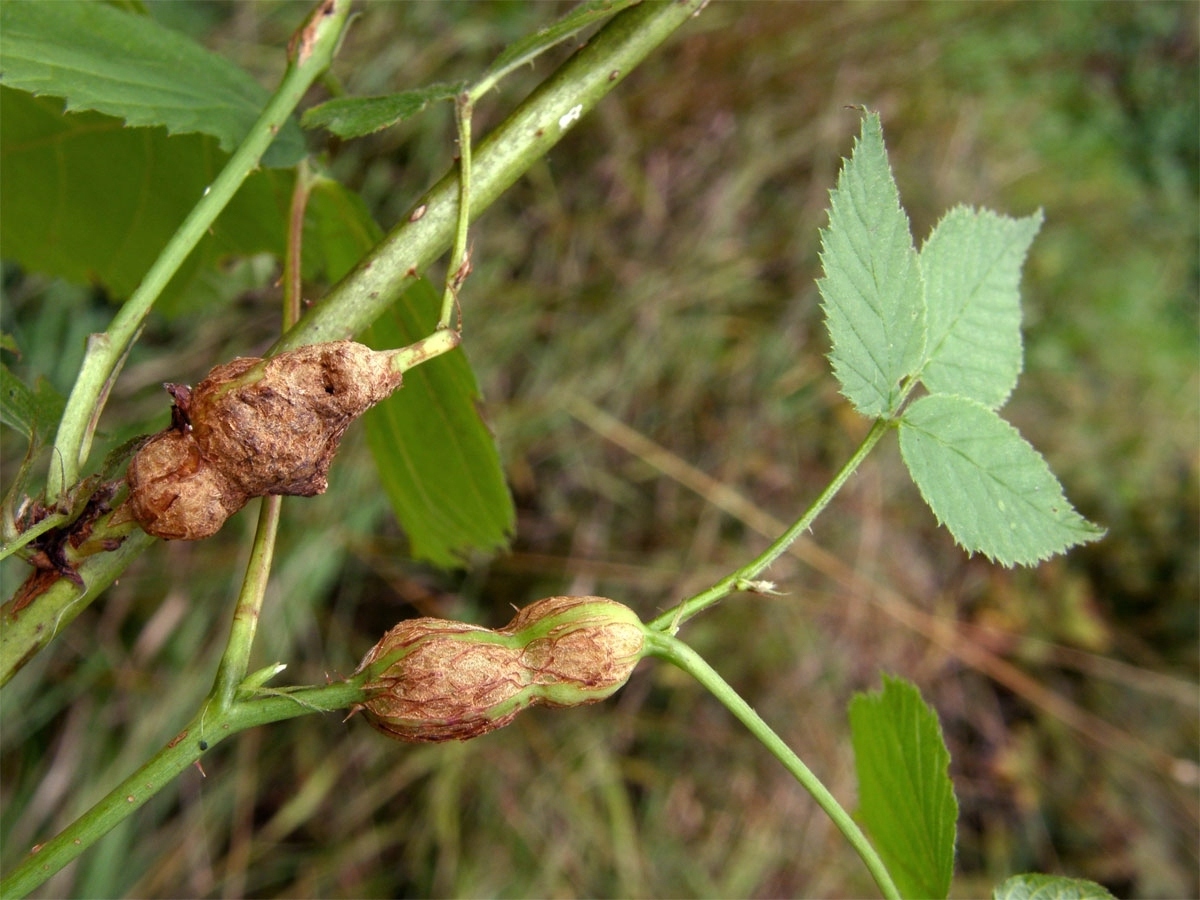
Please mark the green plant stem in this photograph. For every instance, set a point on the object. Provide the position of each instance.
(513, 59)
(673, 618)
(676, 652)
(385, 273)
(499, 160)
(106, 352)
(460, 258)
(208, 728)
(236, 658)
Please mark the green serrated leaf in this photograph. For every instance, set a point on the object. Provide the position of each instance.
(121, 192)
(906, 799)
(986, 484)
(1036, 886)
(436, 458)
(104, 59)
(351, 117)
(971, 266)
(872, 292)
(529, 48)
(33, 413)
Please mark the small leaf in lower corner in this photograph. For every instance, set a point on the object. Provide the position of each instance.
(1035, 886)
(906, 799)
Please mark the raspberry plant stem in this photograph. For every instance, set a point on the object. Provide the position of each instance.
(379, 279)
(534, 127)
(209, 727)
(236, 658)
(679, 654)
(460, 257)
(106, 352)
(671, 620)
(25, 632)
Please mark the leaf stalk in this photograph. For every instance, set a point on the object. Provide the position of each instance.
(679, 654)
(671, 620)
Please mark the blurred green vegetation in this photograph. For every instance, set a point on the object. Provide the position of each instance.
(660, 264)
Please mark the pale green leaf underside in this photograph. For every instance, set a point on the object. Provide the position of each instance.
(351, 117)
(971, 266)
(986, 484)
(1049, 887)
(101, 58)
(872, 291)
(906, 799)
(436, 457)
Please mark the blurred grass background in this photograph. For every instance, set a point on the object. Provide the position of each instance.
(660, 265)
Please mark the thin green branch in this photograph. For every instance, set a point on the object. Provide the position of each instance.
(680, 654)
(539, 123)
(384, 274)
(673, 618)
(460, 257)
(236, 659)
(314, 47)
(208, 728)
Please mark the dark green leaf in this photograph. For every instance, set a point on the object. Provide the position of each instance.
(120, 193)
(436, 458)
(906, 799)
(351, 117)
(1049, 887)
(986, 484)
(104, 59)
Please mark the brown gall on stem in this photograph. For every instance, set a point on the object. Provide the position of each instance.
(432, 680)
(253, 427)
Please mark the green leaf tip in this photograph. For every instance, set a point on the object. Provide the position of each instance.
(871, 291)
(1035, 886)
(351, 117)
(986, 484)
(971, 266)
(436, 457)
(906, 798)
